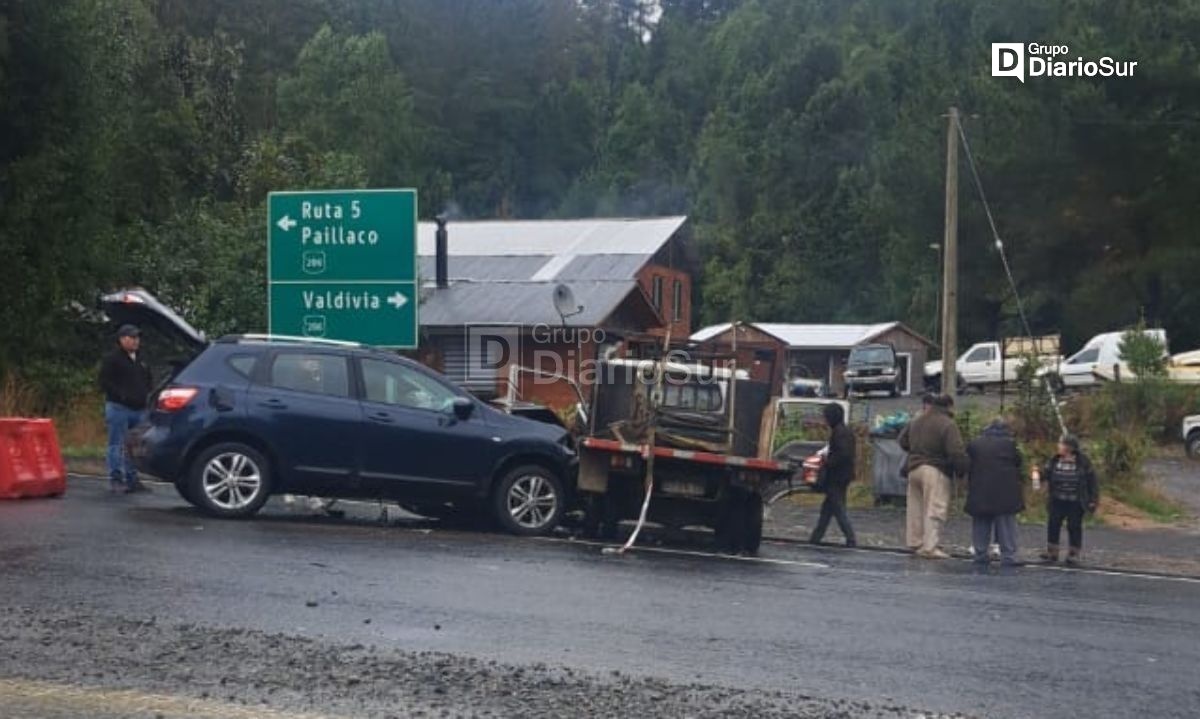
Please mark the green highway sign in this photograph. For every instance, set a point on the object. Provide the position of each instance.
(342, 264)
(376, 313)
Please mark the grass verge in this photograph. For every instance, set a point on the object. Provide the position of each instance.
(83, 452)
(1148, 499)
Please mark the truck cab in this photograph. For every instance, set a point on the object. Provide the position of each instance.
(981, 364)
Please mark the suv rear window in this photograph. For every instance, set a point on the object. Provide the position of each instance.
(313, 373)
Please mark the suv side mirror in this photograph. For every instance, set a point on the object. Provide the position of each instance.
(462, 407)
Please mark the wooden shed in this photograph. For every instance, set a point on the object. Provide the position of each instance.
(817, 351)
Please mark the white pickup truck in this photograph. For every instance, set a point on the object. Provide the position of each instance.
(1191, 435)
(983, 364)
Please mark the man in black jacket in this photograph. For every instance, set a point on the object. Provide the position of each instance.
(839, 472)
(125, 379)
(994, 496)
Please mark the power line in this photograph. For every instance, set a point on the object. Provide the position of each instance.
(995, 233)
(1004, 260)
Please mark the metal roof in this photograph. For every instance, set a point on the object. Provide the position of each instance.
(482, 268)
(552, 237)
(554, 249)
(485, 268)
(505, 271)
(521, 303)
(711, 331)
(602, 267)
(810, 336)
(824, 336)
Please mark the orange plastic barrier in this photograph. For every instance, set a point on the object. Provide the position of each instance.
(31, 464)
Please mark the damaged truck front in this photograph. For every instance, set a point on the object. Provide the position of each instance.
(680, 444)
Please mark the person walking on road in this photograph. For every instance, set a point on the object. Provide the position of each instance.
(839, 472)
(935, 453)
(125, 380)
(1073, 490)
(994, 494)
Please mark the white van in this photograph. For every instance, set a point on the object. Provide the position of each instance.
(1099, 359)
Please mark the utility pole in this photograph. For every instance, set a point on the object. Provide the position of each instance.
(950, 255)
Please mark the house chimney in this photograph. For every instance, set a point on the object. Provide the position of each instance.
(442, 239)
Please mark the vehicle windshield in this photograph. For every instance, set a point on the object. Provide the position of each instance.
(683, 394)
(872, 355)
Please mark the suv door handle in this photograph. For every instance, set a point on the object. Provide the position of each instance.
(273, 404)
(381, 417)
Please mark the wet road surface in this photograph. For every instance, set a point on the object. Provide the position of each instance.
(82, 575)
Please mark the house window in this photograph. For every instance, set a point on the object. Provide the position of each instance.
(657, 294)
(677, 313)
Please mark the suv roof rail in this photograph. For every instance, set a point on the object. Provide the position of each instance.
(290, 338)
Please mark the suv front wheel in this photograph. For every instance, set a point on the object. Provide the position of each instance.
(229, 480)
(529, 501)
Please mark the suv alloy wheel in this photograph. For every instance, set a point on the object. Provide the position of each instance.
(229, 480)
(529, 500)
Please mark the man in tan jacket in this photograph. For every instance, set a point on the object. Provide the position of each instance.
(935, 453)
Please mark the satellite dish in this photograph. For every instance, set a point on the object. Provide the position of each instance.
(564, 302)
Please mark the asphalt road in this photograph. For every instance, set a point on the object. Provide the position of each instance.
(103, 594)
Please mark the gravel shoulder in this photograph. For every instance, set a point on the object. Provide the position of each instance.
(278, 675)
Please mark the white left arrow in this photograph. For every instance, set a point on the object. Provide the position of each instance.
(397, 300)
(286, 223)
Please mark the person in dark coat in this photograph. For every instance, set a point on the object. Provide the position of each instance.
(994, 494)
(1072, 491)
(839, 472)
(125, 380)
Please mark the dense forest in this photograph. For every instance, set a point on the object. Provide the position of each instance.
(805, 139)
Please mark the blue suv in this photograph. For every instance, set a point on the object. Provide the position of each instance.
(248, 416)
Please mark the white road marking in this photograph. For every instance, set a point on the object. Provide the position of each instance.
(1032, 565)
(689, 553)
(1112, 573)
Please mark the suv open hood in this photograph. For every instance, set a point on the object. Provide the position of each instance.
(139, 307)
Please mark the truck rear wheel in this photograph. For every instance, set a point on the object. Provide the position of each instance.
(599, 517)
(752, 530)
(740, 526)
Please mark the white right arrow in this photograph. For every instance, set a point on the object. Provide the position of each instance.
(397, 300)
(286, 223)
